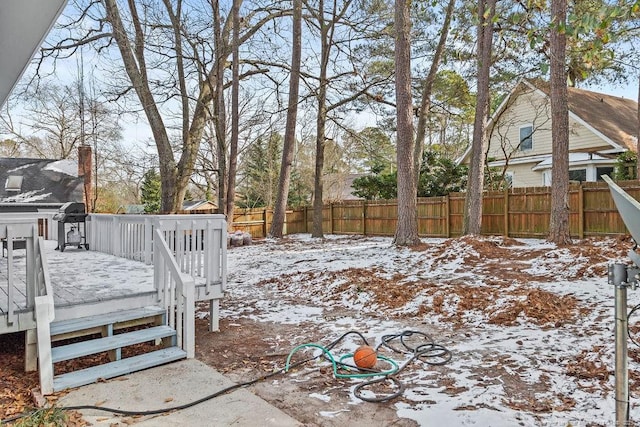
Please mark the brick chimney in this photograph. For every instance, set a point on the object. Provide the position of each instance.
(85, 170)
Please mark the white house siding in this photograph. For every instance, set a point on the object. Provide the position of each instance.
(523, 176)
(527, 109)
(583, 139)
(531, 108)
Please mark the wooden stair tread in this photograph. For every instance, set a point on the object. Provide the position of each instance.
(117, 368)
(84, 348)
(80, 323)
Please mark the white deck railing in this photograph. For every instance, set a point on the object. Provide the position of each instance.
(198, 242)
(25, 232)
(47, 226)
(44, 314)
(176, 293)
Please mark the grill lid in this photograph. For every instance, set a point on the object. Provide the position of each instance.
(71, 212)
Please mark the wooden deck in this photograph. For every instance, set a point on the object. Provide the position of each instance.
(85, 282)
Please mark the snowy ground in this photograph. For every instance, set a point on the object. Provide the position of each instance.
(529, 325)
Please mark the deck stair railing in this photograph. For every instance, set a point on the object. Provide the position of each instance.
(176, 293)
(44, 315)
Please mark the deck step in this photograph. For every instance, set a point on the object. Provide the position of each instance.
(117, 368)
(82, 323)
(84, 348)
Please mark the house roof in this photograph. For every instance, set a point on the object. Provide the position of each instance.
(612, 116)
(24, 24)
(43, 181)
(577, 159)
(193, 205)
(339, 187)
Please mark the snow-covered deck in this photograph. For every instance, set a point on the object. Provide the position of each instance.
(79, 276)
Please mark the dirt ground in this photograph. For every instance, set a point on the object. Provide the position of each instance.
(245, 349)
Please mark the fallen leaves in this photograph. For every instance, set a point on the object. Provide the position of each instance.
(540, 307)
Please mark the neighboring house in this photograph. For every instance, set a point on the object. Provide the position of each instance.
(600, 127)
(338, 187)
(199, 206)
(130, 209)
(189, 206)
(31, 185)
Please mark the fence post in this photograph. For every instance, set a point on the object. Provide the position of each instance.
(306, 219)
(581, 212)
(447, 216)
(506, 213)
(364, 217)
(264, 222)
(330, 218)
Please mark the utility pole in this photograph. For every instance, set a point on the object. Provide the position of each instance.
(619, 275)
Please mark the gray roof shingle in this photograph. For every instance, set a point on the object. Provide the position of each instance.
(44, 181)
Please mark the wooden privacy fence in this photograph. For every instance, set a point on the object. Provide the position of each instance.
(517, 212)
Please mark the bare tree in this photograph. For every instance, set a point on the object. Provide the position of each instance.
(175, 63)
(173, 175)
(290, 129)
(407, 226)
(427, 87)
(473, 199)
(559, 221)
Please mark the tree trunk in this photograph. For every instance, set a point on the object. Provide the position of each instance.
(288, 148)
(407, 226)
(235, 112)
(219, 111)
(473, 200)
(321, 120)
(427, 87)
(638, 135)
(559, 223)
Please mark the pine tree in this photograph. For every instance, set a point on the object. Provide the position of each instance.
(151, 191)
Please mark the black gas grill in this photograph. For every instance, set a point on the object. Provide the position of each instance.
(71, 213)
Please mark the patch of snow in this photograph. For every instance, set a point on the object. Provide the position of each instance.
(10, 171)
(28, 197)
(65, 166)
(331, 414)
(322, 397)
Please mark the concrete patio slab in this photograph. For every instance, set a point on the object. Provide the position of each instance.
(173, 385)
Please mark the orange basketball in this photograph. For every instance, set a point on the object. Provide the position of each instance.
(365, 357)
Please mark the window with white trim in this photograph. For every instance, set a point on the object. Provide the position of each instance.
(526, 138)
(579, 175)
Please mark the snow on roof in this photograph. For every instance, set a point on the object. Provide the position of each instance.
(28, 165)
(28, 197)
(66, 166)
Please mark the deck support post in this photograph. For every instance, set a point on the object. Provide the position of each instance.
(45, 361)
(30, 350)
(214, 315)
